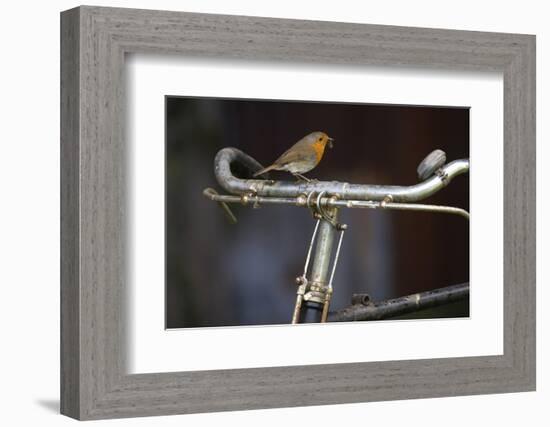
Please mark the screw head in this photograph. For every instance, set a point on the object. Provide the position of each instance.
(301, 280)
(301, 200)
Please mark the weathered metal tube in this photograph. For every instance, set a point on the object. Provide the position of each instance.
(323, 251)
(397, 306)
(316, 294)
(331, 202)
(230, 161)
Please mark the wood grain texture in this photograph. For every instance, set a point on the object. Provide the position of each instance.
(70, 259)
(94, 382)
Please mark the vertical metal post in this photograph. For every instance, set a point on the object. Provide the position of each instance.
(316, 294)
(323, 249)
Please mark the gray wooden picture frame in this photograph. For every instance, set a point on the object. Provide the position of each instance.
(94, 382)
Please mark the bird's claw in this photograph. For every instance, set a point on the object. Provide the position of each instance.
(303, 178)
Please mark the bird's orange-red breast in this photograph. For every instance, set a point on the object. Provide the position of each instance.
(302, 156)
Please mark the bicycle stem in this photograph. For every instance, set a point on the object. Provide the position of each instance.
(314, 295)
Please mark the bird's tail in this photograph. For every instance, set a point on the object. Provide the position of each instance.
(264, 170)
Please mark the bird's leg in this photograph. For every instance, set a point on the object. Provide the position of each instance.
(301, 177)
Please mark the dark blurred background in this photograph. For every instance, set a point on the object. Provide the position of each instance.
(219, 274)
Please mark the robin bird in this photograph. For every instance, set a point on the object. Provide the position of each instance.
(302, 156)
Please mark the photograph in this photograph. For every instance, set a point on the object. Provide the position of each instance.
(287, 211)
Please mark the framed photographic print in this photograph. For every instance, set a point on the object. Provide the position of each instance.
(262, 213)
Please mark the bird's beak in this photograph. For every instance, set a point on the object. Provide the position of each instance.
(330, 142)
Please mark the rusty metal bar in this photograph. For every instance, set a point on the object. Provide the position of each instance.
(323, 250)
(231, 161)
(316, 292)
(331, 202)
(397, 306)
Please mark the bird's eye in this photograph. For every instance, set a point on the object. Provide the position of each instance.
(320, 138)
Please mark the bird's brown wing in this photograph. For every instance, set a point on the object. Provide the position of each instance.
(296, 153)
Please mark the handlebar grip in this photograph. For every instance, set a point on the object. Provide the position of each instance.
(432, 162)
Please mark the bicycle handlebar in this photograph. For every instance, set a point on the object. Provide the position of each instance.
(229, 160)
